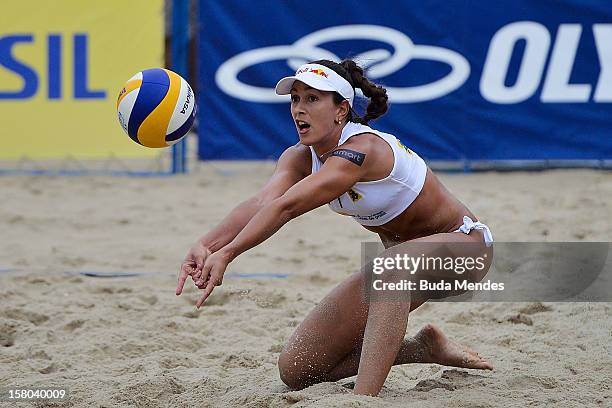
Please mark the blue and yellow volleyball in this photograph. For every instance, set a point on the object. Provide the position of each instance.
(156, 107)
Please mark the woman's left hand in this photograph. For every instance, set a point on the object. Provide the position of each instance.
(212, 274)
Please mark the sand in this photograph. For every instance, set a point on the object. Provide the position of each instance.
(131, 342)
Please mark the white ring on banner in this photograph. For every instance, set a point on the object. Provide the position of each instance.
(379, 63)
(460, 71)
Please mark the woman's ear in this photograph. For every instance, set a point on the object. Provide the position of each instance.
(343, 110)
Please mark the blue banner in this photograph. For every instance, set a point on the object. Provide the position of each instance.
(468, 80)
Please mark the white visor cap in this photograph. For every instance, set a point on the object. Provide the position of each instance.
(318, 77)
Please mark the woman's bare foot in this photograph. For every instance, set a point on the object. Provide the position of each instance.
(439, 349)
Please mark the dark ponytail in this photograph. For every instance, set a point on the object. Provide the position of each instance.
(353, 73)
(377, 94)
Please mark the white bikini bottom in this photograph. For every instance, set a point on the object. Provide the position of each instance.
(469, 224)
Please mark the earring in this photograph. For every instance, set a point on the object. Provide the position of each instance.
(337, 121)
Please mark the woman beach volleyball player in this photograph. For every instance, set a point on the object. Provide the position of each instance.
(385, 187)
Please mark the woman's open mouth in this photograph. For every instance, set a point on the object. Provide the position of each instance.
(302, 126)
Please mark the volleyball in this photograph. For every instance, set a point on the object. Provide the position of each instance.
(156, 107)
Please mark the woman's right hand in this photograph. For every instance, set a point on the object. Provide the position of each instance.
(192, 265)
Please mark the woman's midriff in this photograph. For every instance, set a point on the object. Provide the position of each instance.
(435, 210)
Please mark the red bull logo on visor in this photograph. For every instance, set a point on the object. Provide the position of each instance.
(319, 72)
(314, 71)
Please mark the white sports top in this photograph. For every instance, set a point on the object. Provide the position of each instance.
(377, 202)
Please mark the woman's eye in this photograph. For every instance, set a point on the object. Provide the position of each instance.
(312, 98)
(295, 98)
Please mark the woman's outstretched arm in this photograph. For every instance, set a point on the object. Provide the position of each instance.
(289, 170)
(292, 166)
(337, 176)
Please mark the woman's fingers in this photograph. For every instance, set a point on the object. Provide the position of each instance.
(199, 282)
(185, 271)
(215, 278)
(207, 291)
(200, 261)
(204, 275)
(192, 266)
(200, 258)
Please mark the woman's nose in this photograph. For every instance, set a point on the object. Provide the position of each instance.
(299, 108)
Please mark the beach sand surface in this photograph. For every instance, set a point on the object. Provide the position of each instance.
(125, 342)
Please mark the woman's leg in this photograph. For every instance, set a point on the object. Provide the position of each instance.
(382, 339)
(429, 345)
(317, 351)
(327, 335)
(388, 309)
(328, 345)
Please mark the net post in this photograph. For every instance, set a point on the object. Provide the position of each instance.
(180, 46)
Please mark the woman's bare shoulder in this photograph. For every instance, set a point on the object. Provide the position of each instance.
(298, 158)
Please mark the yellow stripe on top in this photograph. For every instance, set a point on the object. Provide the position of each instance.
(129, 87)
(152, 131)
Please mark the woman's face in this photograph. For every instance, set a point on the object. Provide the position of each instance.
(314, 113)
